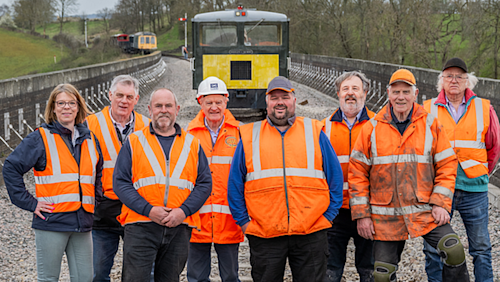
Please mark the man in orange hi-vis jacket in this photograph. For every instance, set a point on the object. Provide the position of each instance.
(401, 181)
(342, 128)
(219, 134)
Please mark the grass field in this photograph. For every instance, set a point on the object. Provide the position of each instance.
(171, 40)
(26, 54)
(73, 28)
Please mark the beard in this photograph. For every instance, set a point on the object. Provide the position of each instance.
(164, 125)
(281, 119)
(352, 109)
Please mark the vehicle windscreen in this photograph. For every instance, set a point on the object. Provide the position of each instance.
(218, 34)
(262, 34)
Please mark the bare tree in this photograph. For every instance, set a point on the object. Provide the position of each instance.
(29, 13)
(65, 7)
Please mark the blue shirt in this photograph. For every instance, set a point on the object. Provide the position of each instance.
(238, 171)
(350, 125)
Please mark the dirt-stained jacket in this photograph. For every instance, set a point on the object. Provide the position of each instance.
(396, 179)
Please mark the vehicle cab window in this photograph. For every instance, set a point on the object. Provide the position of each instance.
(215, 34)
(260, 34)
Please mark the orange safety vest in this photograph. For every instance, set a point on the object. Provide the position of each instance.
(397, 179)
(467, 137)
(104, 129)
(343, 140)
(286, 192)
(63, 182)
(217, 223)
(150, 180)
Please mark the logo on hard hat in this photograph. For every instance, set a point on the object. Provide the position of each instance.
(214, 86)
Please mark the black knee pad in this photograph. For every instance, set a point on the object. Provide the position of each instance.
(451, 250)
(384, 272)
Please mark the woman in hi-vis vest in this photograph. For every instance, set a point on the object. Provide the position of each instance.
(67, 164)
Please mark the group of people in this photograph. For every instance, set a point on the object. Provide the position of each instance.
(296, 187)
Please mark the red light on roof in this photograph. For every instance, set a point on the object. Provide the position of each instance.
(240, 7)
(243, 13)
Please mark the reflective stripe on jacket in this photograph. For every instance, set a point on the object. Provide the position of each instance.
(396, 179)
(217, 223)
(343, 140)
(286, 192)
(150, 180)
(64, 183)
(102, 126)
(467, 137)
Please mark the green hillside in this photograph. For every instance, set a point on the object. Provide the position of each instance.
(73, 28)
(27, 54)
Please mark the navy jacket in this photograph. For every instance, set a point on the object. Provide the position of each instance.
(31, 154)
(124, 188)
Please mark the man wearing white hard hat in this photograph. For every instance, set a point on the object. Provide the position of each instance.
(218, 132)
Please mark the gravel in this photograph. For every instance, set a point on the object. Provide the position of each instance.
(17, 244)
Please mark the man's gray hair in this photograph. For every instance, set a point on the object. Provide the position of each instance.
(162, 88)
(347, 75)
(471, 81)
(126, 80)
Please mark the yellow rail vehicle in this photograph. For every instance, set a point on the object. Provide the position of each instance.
(243, 47)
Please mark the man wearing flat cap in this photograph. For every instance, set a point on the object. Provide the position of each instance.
(472, 126)
(285, 189)
(401, 180)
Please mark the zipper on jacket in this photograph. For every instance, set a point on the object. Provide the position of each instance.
(284, 179)
(167, 182)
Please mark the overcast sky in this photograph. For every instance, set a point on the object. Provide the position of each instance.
(85, 6)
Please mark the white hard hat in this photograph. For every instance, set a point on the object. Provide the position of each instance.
(211, 86)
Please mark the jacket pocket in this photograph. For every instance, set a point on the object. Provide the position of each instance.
(381, 198)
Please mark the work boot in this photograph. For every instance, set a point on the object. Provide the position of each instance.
(333, 276)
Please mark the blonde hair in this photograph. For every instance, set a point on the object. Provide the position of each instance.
(69, 89)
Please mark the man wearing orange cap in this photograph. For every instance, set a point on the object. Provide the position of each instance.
(401, 181)
(218, 132)
(284, 189)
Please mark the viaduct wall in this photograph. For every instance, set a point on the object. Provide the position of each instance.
(25, 97)
(381, 72)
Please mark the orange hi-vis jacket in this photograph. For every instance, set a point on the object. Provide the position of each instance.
(343, 140)
(102, 126)
(63, 182)
(467, 137)
(149, 167)
(286, 192)
(217, 223)
(397, 179)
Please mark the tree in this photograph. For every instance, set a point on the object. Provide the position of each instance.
(29, 13)
(65, 7)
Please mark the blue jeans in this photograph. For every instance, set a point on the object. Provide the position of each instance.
(50, 247)
(106, 243)
(200, 258)
(338, 238)
(473, 208)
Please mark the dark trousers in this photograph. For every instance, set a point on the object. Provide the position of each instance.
(148, 243)
(199, 262)
(306, 255)
(390, 251)
(338, 238)
(106, 242)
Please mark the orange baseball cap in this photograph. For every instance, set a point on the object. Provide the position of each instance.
(403, 75)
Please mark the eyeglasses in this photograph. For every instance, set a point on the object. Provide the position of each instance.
(62, 104)
(458, 77)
